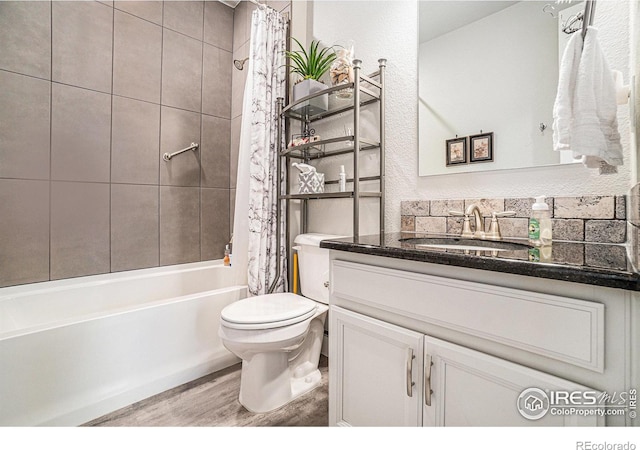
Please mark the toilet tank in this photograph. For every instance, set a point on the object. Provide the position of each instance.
(313, 264)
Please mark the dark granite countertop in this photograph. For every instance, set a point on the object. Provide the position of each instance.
(579, 262)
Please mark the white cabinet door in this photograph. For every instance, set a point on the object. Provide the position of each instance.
(375, 376)
(470, 388)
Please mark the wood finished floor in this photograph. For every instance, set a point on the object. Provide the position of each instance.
(213, 401)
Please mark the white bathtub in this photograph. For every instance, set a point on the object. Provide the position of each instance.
(73, 350)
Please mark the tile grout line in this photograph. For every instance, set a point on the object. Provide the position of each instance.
(113, 94)
(137, 17)
(200, 207)
(113, 52)
(26, 74)
(50, 135)
(121, 96)
(233, 51)
(160, 140)
(186, 35)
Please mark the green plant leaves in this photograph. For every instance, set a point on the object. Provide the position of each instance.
(312, 64)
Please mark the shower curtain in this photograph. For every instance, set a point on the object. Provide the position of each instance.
(255, 218)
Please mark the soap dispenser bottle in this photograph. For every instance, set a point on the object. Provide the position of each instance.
(540, 223)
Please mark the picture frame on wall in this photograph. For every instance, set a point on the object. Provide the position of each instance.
(481, 147)
(456, 151)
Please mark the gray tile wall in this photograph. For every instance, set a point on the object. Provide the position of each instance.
(589, 218)
(91, 95)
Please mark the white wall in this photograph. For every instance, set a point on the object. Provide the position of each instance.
(379, 29)
(634, 14)
(389, 29)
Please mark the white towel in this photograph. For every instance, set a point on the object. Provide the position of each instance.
(563, 106)
(585, 111)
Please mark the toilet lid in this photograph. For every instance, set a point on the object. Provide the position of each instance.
(269, 310)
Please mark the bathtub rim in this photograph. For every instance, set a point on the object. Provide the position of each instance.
(40, 287)
(115, 312)
(13, 293)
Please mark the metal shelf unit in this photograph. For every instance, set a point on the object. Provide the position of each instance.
(367, 89)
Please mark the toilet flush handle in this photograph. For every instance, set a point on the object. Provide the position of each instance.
(326, 284)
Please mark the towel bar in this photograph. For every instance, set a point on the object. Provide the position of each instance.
(168, 156)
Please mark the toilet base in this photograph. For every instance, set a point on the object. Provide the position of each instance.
(278, 365)
(298, 387)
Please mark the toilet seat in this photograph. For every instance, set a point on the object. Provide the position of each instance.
(267, 311)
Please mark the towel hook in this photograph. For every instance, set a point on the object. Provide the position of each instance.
(547, 7)
(573, 23)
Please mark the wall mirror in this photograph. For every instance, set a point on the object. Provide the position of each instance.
(489, 67)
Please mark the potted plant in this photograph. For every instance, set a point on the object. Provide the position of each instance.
(311, 65)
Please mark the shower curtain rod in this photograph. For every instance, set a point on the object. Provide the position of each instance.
(260, 5)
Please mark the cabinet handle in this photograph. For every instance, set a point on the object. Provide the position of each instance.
(410, 358)
(427, 379)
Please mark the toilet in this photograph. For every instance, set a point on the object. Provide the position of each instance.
(279, 336)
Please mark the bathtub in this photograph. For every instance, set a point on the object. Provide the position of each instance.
(73, 350)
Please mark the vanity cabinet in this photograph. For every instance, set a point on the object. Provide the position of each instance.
(411, 348)
(375, 375)
(385, 375)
